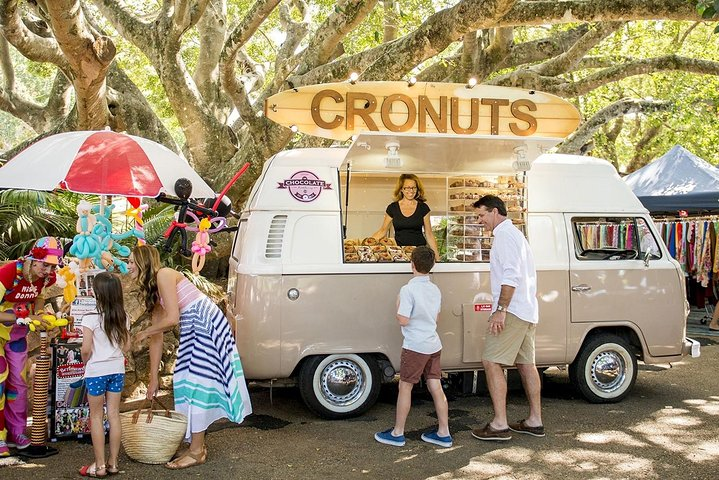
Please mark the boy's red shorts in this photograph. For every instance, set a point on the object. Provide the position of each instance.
(413, 365)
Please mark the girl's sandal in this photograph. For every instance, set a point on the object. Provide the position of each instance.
(93, 471)
(112, 469)
(196, 460)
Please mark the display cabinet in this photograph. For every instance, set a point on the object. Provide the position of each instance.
(467, 240)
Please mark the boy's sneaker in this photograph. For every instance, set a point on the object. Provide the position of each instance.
(387, 438)
(19, 441)
(433, 437)
(4, 451)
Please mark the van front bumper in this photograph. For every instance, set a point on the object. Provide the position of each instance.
(691, 347)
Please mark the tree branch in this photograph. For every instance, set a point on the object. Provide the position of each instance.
(434, 35)
(212, 29)
(231, 84)
(567, 89)
(500, 46)
(127, 25)
(89, 59)
(347, 15)
(583, 135)
(30, 45)
(567, 61)
(638, 67)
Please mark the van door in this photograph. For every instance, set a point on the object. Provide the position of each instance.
(620, 274)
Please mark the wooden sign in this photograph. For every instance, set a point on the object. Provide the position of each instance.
(340, 110)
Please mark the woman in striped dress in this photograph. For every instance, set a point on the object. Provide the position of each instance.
(208, 380)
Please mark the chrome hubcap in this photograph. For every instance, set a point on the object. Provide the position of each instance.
(609, 371)
(342, 382)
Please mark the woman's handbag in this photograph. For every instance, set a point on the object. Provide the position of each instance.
(152, 436)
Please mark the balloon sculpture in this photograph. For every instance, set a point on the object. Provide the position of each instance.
(183, 189)
(136, 213)
(108, 244)
(66, 279)
(86, 244)
(95, 242)
(201, 245)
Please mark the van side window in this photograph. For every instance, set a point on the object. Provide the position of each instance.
(647, 241)
(606, 238)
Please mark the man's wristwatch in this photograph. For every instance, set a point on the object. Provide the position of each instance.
(501, 309)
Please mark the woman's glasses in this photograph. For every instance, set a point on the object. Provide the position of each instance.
(409, 189)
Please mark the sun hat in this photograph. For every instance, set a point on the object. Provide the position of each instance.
(47, 250)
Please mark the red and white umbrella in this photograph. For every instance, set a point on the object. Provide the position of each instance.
(100, 163)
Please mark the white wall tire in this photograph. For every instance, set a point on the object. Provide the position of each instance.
(605, 369)
(339, 386)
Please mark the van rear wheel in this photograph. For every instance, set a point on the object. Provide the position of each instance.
(339, 386)
(605, 369)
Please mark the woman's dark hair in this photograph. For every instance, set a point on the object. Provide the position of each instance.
(110, 305)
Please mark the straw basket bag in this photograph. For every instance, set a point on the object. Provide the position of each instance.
(155, 437)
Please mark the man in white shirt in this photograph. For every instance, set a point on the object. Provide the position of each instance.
(512, 324)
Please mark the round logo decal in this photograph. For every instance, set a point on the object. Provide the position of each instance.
(305, 186)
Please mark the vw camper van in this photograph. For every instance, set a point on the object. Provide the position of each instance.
(315, 307)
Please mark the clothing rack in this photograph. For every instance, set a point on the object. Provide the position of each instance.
(692, 241)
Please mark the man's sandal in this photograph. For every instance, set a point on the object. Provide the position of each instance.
(92, 471)
(196, 460)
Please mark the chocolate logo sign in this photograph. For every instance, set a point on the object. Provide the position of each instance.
(305, 186)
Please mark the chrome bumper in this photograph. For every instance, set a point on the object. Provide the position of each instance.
(691, 347)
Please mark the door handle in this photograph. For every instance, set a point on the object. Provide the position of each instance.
(581, 288)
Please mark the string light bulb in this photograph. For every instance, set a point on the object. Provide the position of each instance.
(472, 82)
(412, 81)
(353, 77)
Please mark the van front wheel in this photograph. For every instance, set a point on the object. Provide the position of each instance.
(605, 369)
(339, 386)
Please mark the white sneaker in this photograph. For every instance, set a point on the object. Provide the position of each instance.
(20, 442)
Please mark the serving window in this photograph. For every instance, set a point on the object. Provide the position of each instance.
(455, 225)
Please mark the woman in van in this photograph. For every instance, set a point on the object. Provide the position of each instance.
(409, 215)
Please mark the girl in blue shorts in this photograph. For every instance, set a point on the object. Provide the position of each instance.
(105, 339)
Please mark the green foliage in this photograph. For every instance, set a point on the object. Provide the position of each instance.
(692, 121)
(27, 215)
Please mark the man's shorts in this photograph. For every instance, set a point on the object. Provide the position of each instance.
(413, 365)
(97, 386)
(514, 345)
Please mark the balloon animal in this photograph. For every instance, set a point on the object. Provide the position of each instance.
(108, 244)
(86, 244)
(201, 245)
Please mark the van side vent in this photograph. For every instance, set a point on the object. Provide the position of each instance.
(275, 237)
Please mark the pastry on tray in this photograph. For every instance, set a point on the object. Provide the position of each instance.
(387, 241)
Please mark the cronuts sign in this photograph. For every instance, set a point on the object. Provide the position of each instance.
(340, 110)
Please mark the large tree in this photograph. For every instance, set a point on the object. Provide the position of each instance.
(214, 62)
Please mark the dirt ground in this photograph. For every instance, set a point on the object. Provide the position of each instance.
(667, 428)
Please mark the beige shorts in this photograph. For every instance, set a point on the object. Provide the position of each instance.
(514, 345)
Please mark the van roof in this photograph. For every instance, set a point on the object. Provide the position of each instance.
(577, 184)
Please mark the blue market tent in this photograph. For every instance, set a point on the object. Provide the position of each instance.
(678, 180)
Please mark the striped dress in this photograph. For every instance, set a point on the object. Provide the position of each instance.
(209, 383)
